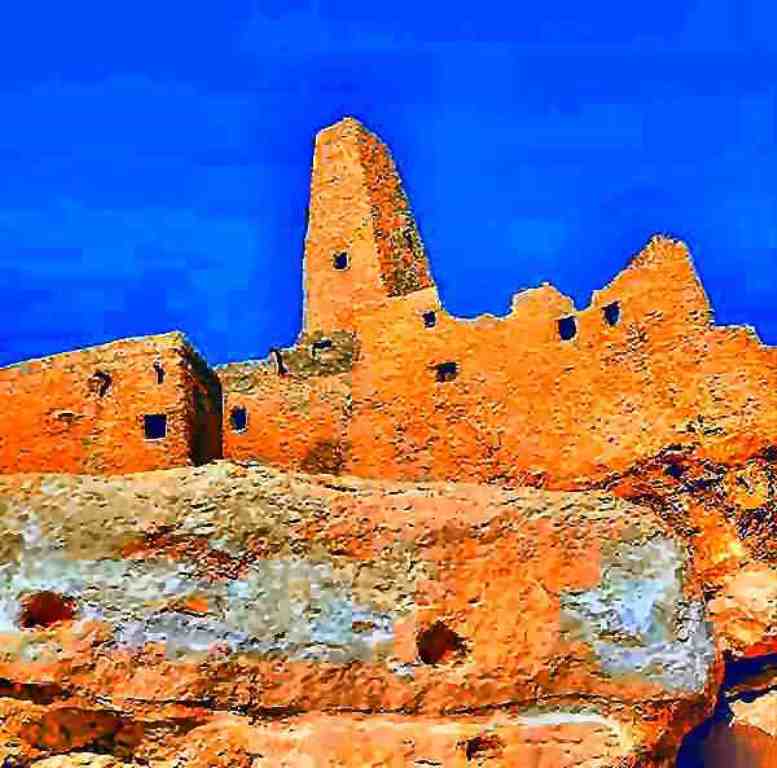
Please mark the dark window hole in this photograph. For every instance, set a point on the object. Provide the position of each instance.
(446, 371)
(238, 418)
(102, 382)
(155, 426)
(42, 609)
(430, 319)
(321, 344)
(567, 328)
(612, 313)
(485, 745)
(340, 260)
(438, 643)
(160, 373)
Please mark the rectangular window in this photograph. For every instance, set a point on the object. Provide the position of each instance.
(155, 426)
(238, 418)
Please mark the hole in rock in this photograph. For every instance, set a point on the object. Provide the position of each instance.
(155, 426)
(238, 418)
(485, 745)
(612, 313)
(340, 260)
(674, 470)
(567, 328)
(447, 371)
(430, 319)
(42, 609)
(438, 643)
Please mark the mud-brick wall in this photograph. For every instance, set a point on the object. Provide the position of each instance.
(514, 400)
(84, 411)
(293, 409)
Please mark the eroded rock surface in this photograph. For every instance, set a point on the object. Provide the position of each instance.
(233, 615)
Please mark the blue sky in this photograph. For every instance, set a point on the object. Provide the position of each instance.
(156, 155)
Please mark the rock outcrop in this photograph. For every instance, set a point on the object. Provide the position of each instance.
(239, 616)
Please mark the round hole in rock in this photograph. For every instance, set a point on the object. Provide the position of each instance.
(674, 470)
(42, 609)
(438, 643)
(485, 745)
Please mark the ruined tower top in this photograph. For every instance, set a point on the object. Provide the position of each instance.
(362, 245)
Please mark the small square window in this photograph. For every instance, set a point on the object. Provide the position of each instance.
(238, 418)
(155, 426)
(430, 319)
(340, 260)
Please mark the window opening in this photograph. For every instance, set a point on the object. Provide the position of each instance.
(430, 319)
(612, 313)
(321, 344)
(238, 418)
(340, 260)
(155, 426)
(447, 371)
(160, 373)
(567, 328)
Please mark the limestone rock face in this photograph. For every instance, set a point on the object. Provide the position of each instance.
(240, 616)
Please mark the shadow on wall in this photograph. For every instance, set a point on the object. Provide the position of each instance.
(720, 741)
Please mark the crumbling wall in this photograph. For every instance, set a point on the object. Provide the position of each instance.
(362, 244)
(511, 398)
(293, 409)
(548, 394)
(85, 411)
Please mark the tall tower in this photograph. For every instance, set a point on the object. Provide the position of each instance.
(362, 245)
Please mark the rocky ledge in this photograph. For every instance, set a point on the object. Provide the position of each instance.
(234, 615)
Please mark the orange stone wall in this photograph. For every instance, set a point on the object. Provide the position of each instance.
(525, 405)
(60, 416)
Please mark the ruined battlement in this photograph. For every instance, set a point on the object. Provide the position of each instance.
(384, 382)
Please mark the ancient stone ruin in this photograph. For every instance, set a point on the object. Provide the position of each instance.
(545, 539)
